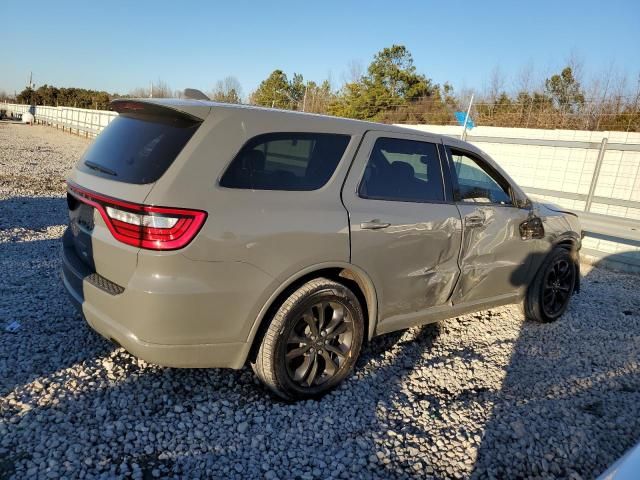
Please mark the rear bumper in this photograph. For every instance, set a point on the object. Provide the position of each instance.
(224, 355)
(171, 321)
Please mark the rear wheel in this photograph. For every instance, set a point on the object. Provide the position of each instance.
(312, 342)
(549, 294)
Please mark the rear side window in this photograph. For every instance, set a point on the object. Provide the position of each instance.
(404, 171)
(286, 161)
(136, 148)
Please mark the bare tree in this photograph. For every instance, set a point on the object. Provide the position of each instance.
(634, 107)
(524, 79)
(318, 97)
(496, 84)
(139, 92)
(227, 90)
(157, 89)
(160, 89)
(354, 72)
(464, 96)
(576, 63)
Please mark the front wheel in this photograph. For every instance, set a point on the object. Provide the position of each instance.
(548, 296)
(312, 342)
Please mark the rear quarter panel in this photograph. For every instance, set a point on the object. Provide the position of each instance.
(279, 232)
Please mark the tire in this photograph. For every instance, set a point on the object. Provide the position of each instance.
(549, 294)
(312, 341)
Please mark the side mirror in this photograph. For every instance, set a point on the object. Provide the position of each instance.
(524, 203)
(531, 229)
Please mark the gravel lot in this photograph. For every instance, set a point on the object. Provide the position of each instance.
(481, 396)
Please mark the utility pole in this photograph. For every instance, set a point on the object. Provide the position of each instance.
(31, 87)
(151, 89)
(304, 99)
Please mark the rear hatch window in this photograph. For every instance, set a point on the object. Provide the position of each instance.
(139, 145)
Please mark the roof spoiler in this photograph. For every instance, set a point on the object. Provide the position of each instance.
(154, 108)
(194, 94)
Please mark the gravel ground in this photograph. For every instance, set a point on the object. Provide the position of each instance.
(480, 396)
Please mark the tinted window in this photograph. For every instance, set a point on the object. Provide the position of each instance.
(475, 183)
(137, 148)
(286, 161)
(403, 170)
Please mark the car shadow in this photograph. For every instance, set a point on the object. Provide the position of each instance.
(40, 331)
(569, 404)
(32, 213)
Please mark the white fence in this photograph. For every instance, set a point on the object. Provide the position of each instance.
(562, 165)
(76, 120)
(596, 174)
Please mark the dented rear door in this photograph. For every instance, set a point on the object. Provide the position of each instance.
(405, 233)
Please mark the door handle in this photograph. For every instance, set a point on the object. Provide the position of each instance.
(473, 221)
(374, 224)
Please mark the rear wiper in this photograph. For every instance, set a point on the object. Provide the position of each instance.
(100, 168)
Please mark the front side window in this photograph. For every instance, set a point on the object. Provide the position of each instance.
(403, 170)
(286, 161)
(476, 184)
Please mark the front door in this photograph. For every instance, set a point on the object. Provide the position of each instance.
(405, 230)
(494, 259)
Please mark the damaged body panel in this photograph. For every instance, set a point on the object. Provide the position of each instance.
(494, 259)
(473, 241)
(414, 261)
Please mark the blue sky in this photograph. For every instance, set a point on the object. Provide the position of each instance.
(119, 45)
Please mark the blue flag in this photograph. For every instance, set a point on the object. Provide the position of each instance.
(460, 118)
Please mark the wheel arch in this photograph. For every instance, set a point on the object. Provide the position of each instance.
(349, 275)
(571, 241)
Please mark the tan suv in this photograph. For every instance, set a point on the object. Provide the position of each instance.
(209, 235)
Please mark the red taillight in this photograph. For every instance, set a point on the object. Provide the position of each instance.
(144, 226)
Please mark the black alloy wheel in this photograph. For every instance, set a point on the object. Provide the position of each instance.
(312, 341)
(548, 295)
(559, 281)
(319, 343)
